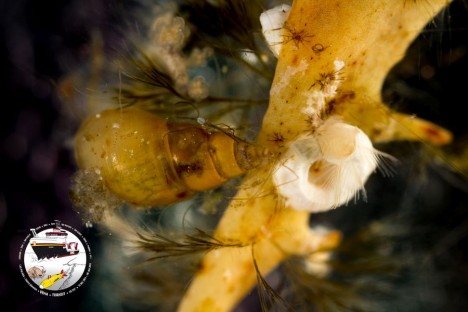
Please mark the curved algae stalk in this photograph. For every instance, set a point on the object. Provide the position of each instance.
(350, 45)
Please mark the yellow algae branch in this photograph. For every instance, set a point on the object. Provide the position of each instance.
(369, 37)
(326, 94)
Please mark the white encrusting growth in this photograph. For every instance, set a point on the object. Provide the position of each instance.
(272, 26)
(169, 35)
(327, 86)
(198, 88)
(327, 168)
(318, 262)
(290, 72)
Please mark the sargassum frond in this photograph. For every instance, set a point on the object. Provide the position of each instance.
(367, 37)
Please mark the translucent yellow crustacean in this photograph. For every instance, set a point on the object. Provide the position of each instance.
(149, 161)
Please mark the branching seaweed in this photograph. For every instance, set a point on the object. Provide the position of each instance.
(359, 269)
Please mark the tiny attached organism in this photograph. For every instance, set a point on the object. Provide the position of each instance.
(324, 170)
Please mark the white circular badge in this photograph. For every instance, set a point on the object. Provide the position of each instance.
(55, 259)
